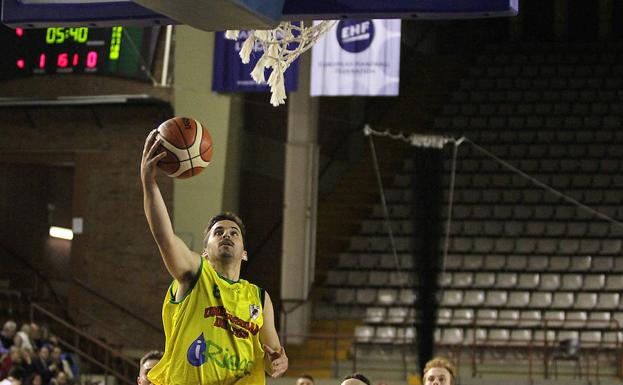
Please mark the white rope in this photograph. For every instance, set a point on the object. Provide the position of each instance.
(281, 46)
(435, 141)
(388, 224)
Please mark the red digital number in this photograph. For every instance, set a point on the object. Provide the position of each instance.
(91, 59)
(62, 60)
(42, 60)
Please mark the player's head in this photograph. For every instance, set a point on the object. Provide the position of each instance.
(147, 362)
(305, 379)
(439, 371)
(224, 237)
(355, 379)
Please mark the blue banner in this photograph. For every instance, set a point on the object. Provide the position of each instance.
(231, 75)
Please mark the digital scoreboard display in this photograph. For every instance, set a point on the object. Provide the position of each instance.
(122, 51)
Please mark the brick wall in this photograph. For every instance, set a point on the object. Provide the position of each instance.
(116, 255)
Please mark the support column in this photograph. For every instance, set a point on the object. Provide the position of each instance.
(606, 10)
(197, 199)
(299, 212)
(561, 19)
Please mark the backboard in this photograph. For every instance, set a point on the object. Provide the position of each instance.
(217, 15)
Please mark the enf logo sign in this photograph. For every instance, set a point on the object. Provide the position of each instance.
(355, 35)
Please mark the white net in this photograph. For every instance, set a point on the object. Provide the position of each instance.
(281, 46)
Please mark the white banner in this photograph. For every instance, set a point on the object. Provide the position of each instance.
(357, 57)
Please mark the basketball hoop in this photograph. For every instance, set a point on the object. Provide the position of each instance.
(281, 46)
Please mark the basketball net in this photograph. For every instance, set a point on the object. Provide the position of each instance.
(281, 46)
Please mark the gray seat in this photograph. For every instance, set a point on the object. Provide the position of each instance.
(528, 281)
(540, 300)
(549, 282)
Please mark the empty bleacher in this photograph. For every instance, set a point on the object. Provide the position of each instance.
(525, 267)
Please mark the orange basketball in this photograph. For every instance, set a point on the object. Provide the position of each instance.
(188, 146)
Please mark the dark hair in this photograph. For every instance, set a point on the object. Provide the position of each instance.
(226, 216)
(357, 376)
(18, 372)
(307, 377)
(152, 355)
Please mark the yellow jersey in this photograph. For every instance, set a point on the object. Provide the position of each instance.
(212, 333)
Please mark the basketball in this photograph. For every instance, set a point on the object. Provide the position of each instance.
(188, 147)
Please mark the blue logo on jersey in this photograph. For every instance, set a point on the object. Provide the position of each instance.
(196, 352)
(355, 35)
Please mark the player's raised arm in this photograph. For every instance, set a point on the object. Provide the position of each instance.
(275, 358)
(179, 260)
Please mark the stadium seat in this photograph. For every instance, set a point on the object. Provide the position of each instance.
(375, 315)
(528, 281)
(498, 336)
(608, 301)
(562, 300)
(473, 297)
(521, 337)
(345, 296)
(484, 279)
(452, 336)
(585, 300)
(487, 316)
(444, 316)
(496, 262)
(599, 319)
(462, 317)
(549, 282)
(452, 298)
(508, 318)
(378, 278)
(407, 297)
(554, 318)
(405, 335)
(518, 299)
(366, 296)
(384, 335)
(496, 298)
(386, 296)
(594, 282)
(516, 262)
(506, 280)
(397, 315)
(575, 319)
(461, 280)
(614, 282)
(571, 282)
(529, 318)
(364, 333)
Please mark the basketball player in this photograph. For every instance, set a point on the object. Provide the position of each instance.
(439, 371)
(219, 329)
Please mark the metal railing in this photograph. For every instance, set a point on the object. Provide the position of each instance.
(100, 355)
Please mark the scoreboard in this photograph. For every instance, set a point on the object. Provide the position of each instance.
(122, 51)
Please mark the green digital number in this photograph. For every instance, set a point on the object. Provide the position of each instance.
(82, 35)
(49, 35)
(60, 35)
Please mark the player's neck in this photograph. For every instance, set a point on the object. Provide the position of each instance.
(226, 269)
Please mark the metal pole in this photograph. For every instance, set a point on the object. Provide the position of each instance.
(166, 57)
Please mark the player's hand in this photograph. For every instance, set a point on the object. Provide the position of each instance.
(151, 156)
(275, 362)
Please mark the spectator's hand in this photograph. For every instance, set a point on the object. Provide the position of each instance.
(276, 363)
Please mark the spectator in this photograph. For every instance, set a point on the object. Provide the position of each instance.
(60, 379)
(22, 339)
(439, 371)
(305, 379)
(34, 379)
(41, 365)
(57, 364)
(147, 362)
(7, 336)
(16, 376)
(355, 379)
(14, 357)
(35, 335)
